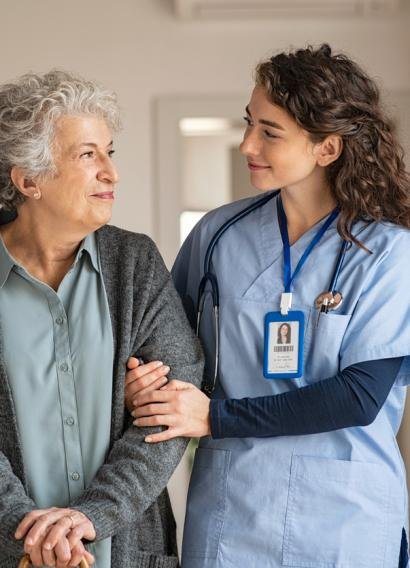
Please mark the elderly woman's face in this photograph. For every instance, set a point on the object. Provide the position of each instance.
(81, 194)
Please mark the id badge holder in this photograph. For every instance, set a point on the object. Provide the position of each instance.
(283, 345)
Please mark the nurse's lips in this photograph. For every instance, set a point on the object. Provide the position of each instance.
(256, 167)
(104, 195)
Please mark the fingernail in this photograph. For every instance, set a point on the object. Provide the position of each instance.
(159, 364)
(29, 541)
(148, 439)
(164, 381)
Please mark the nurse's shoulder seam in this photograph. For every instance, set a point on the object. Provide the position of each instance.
(383, 238)
(215, 218)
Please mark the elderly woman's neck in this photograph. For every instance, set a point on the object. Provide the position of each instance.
(45, 252)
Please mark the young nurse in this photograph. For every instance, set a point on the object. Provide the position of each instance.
(298, 463)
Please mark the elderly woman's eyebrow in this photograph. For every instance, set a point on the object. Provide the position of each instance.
(92, 144)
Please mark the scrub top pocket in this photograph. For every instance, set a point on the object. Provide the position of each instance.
(349, 502)
(324, 337)
(206, 504)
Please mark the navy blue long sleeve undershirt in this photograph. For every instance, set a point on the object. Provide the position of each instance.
(353, 397)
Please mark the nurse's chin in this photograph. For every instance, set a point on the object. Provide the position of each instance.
(262, 186)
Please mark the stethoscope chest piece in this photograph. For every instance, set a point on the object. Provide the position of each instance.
(328, 301)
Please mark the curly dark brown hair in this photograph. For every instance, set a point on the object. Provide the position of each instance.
(330, 94)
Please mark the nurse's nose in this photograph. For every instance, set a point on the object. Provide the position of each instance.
(251, 143)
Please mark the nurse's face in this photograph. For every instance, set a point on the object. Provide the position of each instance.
(279, 153)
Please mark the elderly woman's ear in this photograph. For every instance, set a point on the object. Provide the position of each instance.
(27, 186)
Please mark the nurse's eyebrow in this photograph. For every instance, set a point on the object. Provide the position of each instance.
(265, 122)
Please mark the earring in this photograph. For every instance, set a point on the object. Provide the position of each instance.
(36, 195)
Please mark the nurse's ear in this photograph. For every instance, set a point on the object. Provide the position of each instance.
(329, 150)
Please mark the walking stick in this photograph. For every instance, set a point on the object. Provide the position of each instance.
(25, 562)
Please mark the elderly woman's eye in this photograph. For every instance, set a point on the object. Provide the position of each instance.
(111, 153)
(89, 154)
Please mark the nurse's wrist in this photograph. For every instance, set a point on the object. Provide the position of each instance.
(215, 425)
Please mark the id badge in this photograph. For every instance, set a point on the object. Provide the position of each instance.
(283, 345)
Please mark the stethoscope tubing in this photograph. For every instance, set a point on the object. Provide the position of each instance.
(213, 281)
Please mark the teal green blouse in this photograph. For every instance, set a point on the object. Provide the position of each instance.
(58, 350)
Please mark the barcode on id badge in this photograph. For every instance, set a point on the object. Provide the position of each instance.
(282, 348)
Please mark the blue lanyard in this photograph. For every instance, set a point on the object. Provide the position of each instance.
(288, 277)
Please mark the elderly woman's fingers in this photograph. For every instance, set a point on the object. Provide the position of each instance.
(89, 557)
(63, 553)
(61, 528)
(36, 556)
(49, 558)
(77, 554)
(41, 527)
(83, 530)
(29, 520)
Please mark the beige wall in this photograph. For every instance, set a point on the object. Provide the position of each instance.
(139, 49)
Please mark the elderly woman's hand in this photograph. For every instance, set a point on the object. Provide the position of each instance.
(53, 537)
(143, 378)
(180, 406)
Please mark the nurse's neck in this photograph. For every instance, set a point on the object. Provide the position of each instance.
(305, 207)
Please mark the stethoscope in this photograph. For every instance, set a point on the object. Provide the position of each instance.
(326, 301)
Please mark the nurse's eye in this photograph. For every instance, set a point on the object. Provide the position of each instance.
(269, 134)
(111, 153)
(247, 120)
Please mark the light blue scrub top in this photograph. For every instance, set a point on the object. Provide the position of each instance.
(58, 352)
(329, 500)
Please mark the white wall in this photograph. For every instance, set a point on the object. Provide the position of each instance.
(139, 49)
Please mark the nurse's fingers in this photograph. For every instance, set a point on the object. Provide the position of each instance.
(152, 410)
(144, 378)
(158, 375)
(140, 370)
(168, 434)
(164, 395)
(158, 420)
(187, 411)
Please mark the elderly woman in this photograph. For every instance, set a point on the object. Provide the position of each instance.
(77, 478)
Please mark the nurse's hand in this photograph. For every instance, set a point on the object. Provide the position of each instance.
(180, 406)
(143, 378)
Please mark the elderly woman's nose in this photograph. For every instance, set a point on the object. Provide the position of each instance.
(108, 171)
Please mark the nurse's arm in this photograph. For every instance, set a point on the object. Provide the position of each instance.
(351, 398)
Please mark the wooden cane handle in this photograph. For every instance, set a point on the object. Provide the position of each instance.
(25, 562)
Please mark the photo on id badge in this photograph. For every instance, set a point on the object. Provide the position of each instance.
(283, 347)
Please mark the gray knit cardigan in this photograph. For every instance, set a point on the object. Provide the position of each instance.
(127, 499)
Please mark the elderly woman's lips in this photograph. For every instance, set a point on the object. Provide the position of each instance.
(104, 195)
